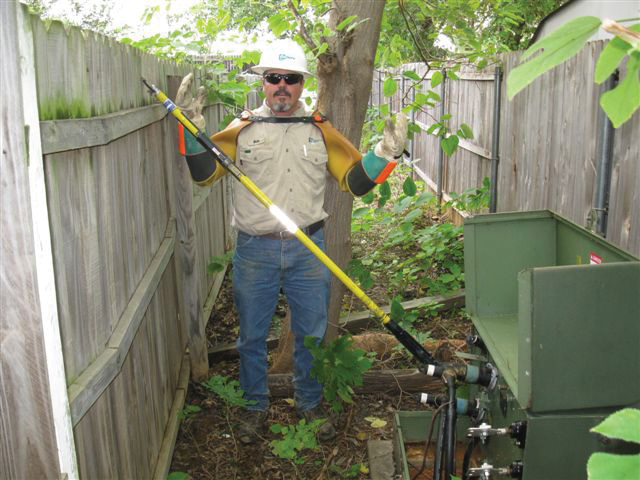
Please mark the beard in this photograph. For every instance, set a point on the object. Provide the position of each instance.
(281, 107)
(282, 101)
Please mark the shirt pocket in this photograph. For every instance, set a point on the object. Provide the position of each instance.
(256, 161)
(314, 161)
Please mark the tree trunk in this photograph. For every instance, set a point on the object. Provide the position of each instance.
(345, 75)
(344, 84)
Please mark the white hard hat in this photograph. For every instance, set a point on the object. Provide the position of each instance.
(283, 55)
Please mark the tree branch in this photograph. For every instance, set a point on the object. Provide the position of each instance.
(302, 30)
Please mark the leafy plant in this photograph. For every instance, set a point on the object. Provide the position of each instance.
(623, 425)
(228, 390)
(353, 471)
(296, 438)
(219, 263)
(178, 476)
(188, 411)
(473, 200)
(562, 44)
(338, 367)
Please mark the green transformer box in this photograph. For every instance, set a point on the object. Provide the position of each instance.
(557, 312)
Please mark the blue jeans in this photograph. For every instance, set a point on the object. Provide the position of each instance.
(261, 266)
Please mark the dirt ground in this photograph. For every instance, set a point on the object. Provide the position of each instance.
(207, 447)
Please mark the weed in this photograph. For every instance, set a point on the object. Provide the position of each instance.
(353, 471)
(188, 411)
(296, 438)
(228, 390)
(338, 367)
(219, 263)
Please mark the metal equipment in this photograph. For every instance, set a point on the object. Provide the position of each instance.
(558, 311)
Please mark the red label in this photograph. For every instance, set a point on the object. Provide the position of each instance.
(594, 259)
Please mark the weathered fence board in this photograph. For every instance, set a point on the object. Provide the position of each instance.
(110, 170)
(28, 447)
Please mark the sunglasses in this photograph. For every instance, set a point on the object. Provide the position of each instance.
(289, 78)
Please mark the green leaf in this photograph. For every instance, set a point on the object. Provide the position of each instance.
(323, 48)
(609, 59)
(390, 86)
(449, 144)
(620, 103)
(466, 130)
(385, 190)
(178, 476)
(411, 75)
(452, 75)
(623, 424)
(397, 310)
(559, 46)
(409, 187)
(368, 198)
(606, 466)
(436, 79)
(346, 22)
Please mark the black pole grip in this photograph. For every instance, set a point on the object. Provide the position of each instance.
(411, 344)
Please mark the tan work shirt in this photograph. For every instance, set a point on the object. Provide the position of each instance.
(288, 162)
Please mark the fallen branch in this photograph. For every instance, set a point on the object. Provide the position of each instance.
(386, 381)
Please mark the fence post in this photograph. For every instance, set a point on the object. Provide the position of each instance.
(186, 255)
(605, 154)
(495, 144)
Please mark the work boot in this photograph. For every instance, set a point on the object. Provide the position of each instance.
(251, 426)
(326, 431)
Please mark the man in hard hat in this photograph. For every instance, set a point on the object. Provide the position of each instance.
(286, 152)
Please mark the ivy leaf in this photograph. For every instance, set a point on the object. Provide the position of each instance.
(557, 47)
(390, 87)
(452, 75)
(436, 79)
(449, 144)
(620, 103)
(623, 424)
(409, 187)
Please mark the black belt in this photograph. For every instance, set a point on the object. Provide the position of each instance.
(309, 230)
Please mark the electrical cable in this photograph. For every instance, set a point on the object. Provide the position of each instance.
(437, 464)
(428, 441)
(450, 464)
(467, 456)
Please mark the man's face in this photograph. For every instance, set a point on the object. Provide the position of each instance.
(281, 97)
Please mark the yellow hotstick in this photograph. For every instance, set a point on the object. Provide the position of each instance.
(407, 340)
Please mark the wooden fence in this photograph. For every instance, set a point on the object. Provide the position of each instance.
(128, 238)
(549, 140)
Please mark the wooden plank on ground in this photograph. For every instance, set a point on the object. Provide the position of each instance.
(387, 381)
(353, 322)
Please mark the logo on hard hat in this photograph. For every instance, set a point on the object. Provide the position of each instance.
(283, 56)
